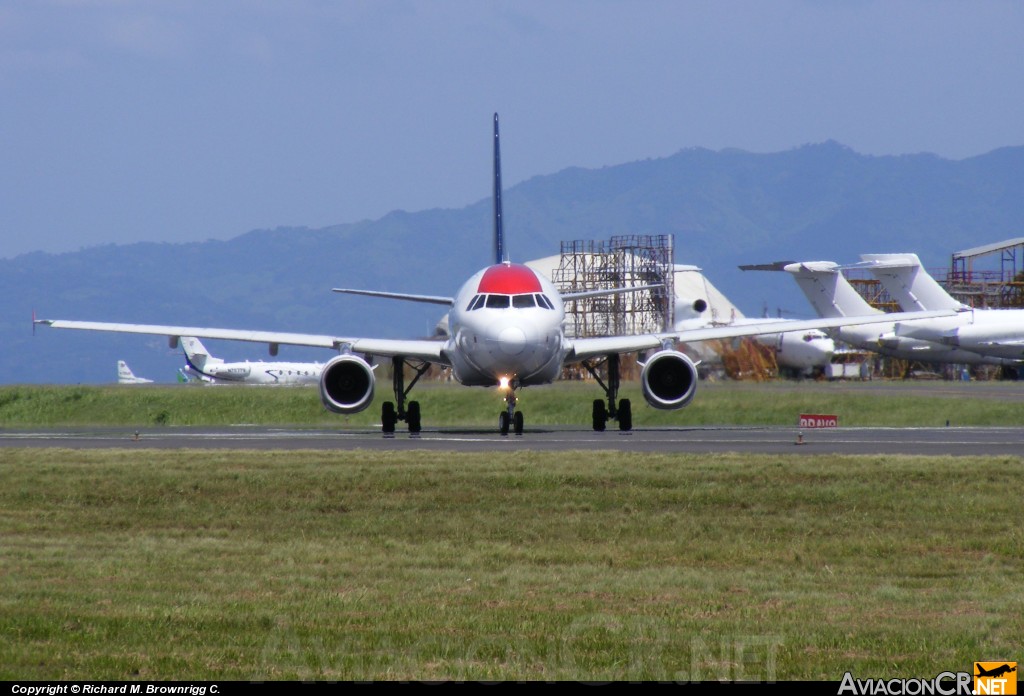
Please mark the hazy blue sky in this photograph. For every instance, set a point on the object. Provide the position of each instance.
(185, 120)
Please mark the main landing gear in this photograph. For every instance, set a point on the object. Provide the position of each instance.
(616, 408)
(389, 414)
(510, 418)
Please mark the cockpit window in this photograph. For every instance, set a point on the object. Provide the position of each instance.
(524, 301)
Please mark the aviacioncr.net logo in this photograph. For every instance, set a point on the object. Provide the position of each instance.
(995, 678)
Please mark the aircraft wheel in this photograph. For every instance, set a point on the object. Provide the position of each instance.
(388, 417)
(625, 415)
(517, 423)
(503, 422)
(412, 417)
(600, 416)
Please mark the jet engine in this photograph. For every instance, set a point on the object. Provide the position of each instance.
(689, 309)
(346, 384)
(669, 379)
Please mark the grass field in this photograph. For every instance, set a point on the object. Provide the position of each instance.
(141, 564)
(352, 565)
(564, 403)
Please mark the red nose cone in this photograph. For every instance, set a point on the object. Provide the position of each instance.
(509, 279)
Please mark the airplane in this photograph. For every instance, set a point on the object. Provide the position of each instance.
(799, 352)
(206, 368)
(126, 376)
(507, 330)
(832, 295)
(996, 333)
(995, 671)
(699, 304)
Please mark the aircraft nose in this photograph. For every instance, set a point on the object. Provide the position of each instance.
(512, 340)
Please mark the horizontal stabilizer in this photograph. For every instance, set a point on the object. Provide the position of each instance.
(870, 261)
(776, 266)
(430, 299)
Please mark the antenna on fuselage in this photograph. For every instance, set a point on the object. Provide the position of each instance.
(500, 253)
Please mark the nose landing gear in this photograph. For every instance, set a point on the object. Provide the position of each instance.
(510, 418)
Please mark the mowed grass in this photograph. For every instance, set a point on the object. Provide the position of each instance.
(563, 403)
(136, 564)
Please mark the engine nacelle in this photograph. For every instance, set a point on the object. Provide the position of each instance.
(689, 309)
(669, 379)
(346, 384)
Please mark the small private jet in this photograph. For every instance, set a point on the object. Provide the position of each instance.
(203, 367)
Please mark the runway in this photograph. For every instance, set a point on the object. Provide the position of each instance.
(790, 441)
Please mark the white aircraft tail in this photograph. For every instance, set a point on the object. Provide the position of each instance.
(124, 373)
(908, 282)
(126, 376)
(196, 354)
(828, 291)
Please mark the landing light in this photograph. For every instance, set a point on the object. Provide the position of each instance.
(503, 383)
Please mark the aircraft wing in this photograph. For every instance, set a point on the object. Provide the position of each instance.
(427, 350)
(584, 348)
(583, 294)
(435, 299)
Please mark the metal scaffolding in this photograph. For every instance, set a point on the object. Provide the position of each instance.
(622, 261)
(871, 290)
(987, 288)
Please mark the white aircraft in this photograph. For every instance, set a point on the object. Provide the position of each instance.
(126, 376)
(801, 352)
(996, 333)
(506, 330)
(831, 295)
(206, 368)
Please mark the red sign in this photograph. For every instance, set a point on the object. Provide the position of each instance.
(814, 420)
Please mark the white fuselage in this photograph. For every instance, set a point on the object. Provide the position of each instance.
(900, 341)
(797, 350)
(259, 373)
(995, 333)
(507, 326)
(800, 350)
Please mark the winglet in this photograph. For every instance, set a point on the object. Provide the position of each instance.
(36, 322)
(500, 253)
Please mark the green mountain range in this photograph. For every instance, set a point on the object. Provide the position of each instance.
(817, 202)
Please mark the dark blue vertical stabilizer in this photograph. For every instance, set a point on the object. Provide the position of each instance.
(500, 253)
